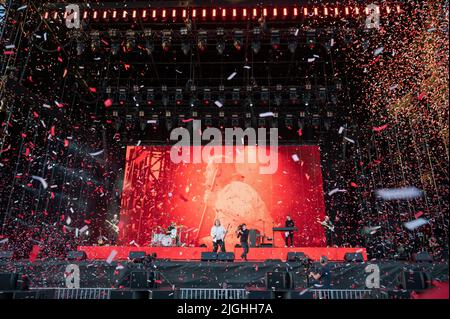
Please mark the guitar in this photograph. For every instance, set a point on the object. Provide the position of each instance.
(326, 225)
(115, 227)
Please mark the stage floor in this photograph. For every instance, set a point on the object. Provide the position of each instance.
(194, 253)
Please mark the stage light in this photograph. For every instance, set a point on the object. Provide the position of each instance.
(80, 47)
(105, 15)
(265, 95)
(150, 96)
(278, 97)
(285, 12)
(311, 38)
(144, 14)
(224, 13)
(305, 11)
(316, 11)
(206, 96)
(164, 97)
(265, 12)
(153, 14)
(295, 12)
(234, 13)
(347, 11)
(237, 39)
(134, 14)
(194, 13)
(325, 11)
(255, 12)
(293, 41)
(214, 13)
(149, 43)
(164, 13)
(275, 39)
(174, 13)
(208, 120)
(388, 10)
(256, 41)
(130, 42)
(122, 97)
(275, 12)
(124, 14)
(185, 41)
(202, 40)
(184, 13)
(166, 40)
(115, 45)
(288, 122)
(236, 95)
(220, 46)
(178, 96)
(95, 15)
(293, 96)
(95, 41)
(244, 13)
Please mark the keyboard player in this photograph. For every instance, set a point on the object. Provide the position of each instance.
(289, 235)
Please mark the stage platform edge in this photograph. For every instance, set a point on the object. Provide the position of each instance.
(194, 253)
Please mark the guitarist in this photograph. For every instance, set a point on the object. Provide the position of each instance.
(218, 234)
(329, 229)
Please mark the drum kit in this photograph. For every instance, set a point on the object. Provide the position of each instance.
(172, 238)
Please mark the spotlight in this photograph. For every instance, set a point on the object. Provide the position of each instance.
(235, 95)
(293, 42)
(275, 39)
(256, 42)
(178, 96)
(95, 41)
(265, 95)
(220, 46)
(130, 40)
(238, 39)
(149, 44)
(293, 94)
(166, 40)
(150, 96)
(185, 43)
(122, 96)
(278, 96)
(202, 40)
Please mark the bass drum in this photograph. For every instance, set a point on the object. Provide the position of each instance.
(166, 241)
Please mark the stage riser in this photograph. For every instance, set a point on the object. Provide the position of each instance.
(213, 275)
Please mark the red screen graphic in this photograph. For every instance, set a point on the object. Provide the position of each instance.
(157, 192)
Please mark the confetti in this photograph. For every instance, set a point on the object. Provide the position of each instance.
(231, 76)
(411, 225)
(399, 193)
(41, 180)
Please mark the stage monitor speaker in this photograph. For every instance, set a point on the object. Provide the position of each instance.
(423, 256)
(76, 255)
(129, 294)
(296, 256)
(273, 261)
(225, 256)
(136, 255)
(260, 294)
(6, 255)
(414, 280)
(354, 257)
(254, 237)
(8, 281)
(278, 280)
(208, 256)
(162, 294)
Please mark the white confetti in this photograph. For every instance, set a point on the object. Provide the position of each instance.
(341, 129)
(247, 67)
(399, 193)
(218, 104)
(295, 158)
(96, 153)
(311, 60)
(266, 114)
(411, 225)
(378, 51)
(22, 8)
(349, 140)
(41, 180)
(83, 229)
(111, 256)
(336, 190)
(231, 76)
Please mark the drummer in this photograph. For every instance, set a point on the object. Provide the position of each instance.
(172, 231)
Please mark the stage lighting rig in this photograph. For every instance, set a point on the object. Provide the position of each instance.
(115, 43)
(275, 39)
(130, 42)
(149, 43)
(293, 41)
(185, 41)
(95, 41)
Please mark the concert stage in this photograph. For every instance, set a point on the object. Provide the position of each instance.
(256, 254)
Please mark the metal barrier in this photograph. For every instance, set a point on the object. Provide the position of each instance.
(205, 293)
(82, 293)
(345, 294)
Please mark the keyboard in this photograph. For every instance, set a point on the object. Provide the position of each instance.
(285, 229)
